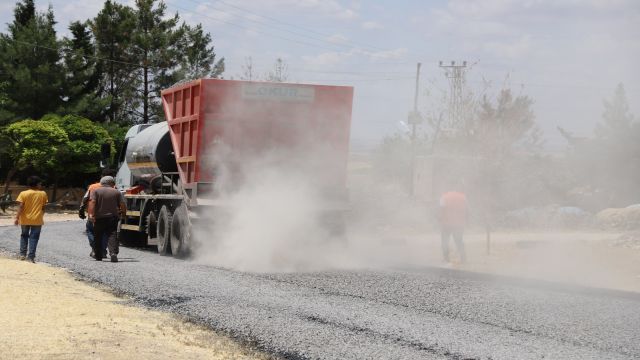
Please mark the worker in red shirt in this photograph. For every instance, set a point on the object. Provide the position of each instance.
(453, 215)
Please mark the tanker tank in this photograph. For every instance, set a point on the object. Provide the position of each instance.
(150, 153)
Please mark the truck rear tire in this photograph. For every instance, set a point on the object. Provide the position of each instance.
(180, 232)
(163, 231)
(152, 225)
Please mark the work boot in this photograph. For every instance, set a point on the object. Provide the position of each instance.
(32, 260)
(114, 258)
(22, 257)
(93, 254)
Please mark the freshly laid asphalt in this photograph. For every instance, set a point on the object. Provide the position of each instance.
(417, 313)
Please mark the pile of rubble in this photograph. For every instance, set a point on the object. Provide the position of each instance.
(630, 240)
(620, 218)
(559, 217)
(548, 217)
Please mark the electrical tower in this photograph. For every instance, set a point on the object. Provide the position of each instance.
(456, 75)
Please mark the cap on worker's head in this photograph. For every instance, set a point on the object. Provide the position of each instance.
(107, 180)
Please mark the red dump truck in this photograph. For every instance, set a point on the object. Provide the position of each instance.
(169, 170)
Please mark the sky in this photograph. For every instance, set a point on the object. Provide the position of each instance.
(567, 55)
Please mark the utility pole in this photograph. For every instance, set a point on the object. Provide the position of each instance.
(455, 74)
(414, 119)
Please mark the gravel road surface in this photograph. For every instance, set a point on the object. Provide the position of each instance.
(417, 313)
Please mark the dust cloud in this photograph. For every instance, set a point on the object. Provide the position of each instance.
(281, 198)
(278, 213)
(269, 216)
(532, 214)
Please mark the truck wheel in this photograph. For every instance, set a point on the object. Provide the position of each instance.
(180, 232)
(163, 231)
(152, 225)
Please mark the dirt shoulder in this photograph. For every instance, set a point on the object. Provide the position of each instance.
(48, 314)
(8, 217)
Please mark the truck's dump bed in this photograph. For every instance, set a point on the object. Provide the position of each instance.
(252, 118)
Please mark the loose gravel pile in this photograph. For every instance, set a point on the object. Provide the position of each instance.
(421, 313)
(630, 240)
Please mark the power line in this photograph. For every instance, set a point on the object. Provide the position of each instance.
(360, 80)
(252, 29)
(142, 66)
(291, 24)
(355, 45)
(60, 50)
(339, 72)
(268, 25)
(523, 84)
(354, 72)
(554, 86)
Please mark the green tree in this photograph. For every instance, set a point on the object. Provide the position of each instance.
(30, 65)
(34, 143)
(199, 58)
(506, 142)
(113, 29)
(144, 51)
(5, 114)
(617, 120)
(82, 154)
(492, 149)
(117, 132)
(504, 128)
(83, 74)
(154, 45)
(608, 165)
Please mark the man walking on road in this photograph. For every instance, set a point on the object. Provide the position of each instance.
(30, 217)
(453, 218)
(89, 223)
(106, 206)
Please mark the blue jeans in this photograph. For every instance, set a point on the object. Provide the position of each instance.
(30, 235)
(91, 237)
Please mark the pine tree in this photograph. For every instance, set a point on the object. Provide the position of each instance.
(155, 47)
(83, 73)
(617, 151)
(617, 121)
(113, 29)
(30, 65)
(199, 58)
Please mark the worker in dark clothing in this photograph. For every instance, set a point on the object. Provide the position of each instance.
(89, 224)
(106, 206)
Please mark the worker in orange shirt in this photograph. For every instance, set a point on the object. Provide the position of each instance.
(83, 208)
(453, 215)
